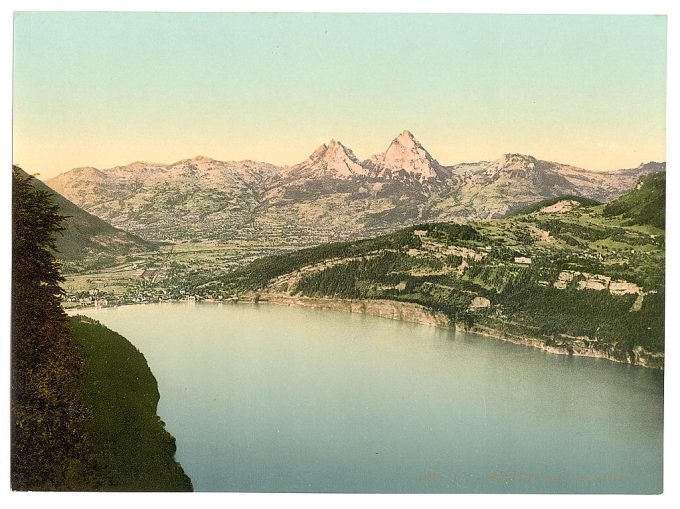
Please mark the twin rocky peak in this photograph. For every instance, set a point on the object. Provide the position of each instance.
(329, 196)
(405, 156)
(405, 160)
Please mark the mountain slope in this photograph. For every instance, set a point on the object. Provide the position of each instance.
(646, 204)
(566, 202)
(513, 181)
(87, 236)
(197, 197)
(570, 281)
(407, 159)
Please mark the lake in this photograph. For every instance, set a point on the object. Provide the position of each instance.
(277, 399)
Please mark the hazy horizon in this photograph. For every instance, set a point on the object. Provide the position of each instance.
(107, 89)
(360, 157)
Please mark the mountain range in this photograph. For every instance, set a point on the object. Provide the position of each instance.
(331, 195)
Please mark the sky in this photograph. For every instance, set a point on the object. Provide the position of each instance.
(104, 89)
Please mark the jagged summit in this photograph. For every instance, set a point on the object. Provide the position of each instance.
(334, 151)
(515, 161)
(406, 137)
(406, 154)
(406, 148)
(318, 152)
(333, 159)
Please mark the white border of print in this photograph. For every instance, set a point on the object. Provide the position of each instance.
(672, 422)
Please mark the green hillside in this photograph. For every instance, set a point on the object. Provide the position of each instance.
(121, 395)
(646, 204)
(83, 400)
(535, 207)
(576, 280)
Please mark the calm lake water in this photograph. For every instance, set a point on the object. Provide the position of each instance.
(269, 398)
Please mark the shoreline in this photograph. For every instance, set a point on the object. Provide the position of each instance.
(412, 312)
(121, 394)
(416, 313)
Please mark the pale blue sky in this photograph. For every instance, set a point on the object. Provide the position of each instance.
(103, 89)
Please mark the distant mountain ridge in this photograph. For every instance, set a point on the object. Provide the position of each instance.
(331, 195)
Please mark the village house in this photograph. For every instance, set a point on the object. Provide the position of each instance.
(150, 274)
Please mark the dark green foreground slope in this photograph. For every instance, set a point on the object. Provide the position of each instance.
(121, 395)
(83, 401)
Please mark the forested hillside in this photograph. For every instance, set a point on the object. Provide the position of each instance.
(131, 445)
(647, 205)
(77, 423)
(576, 278)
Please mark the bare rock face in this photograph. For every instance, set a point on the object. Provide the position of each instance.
(406, 158)
(480, 303)
(561, 206)
(598, 282)
(624, 288)
(394, 310)
(405, 311)
(564, 279)
(594, 282)
(328, 161)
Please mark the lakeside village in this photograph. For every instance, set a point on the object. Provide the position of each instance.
(172, 283)
(153, 284)
(150, 286)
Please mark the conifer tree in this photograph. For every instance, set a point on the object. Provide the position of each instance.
(49, 450)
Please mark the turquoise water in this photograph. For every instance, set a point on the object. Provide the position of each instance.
(270, 398)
